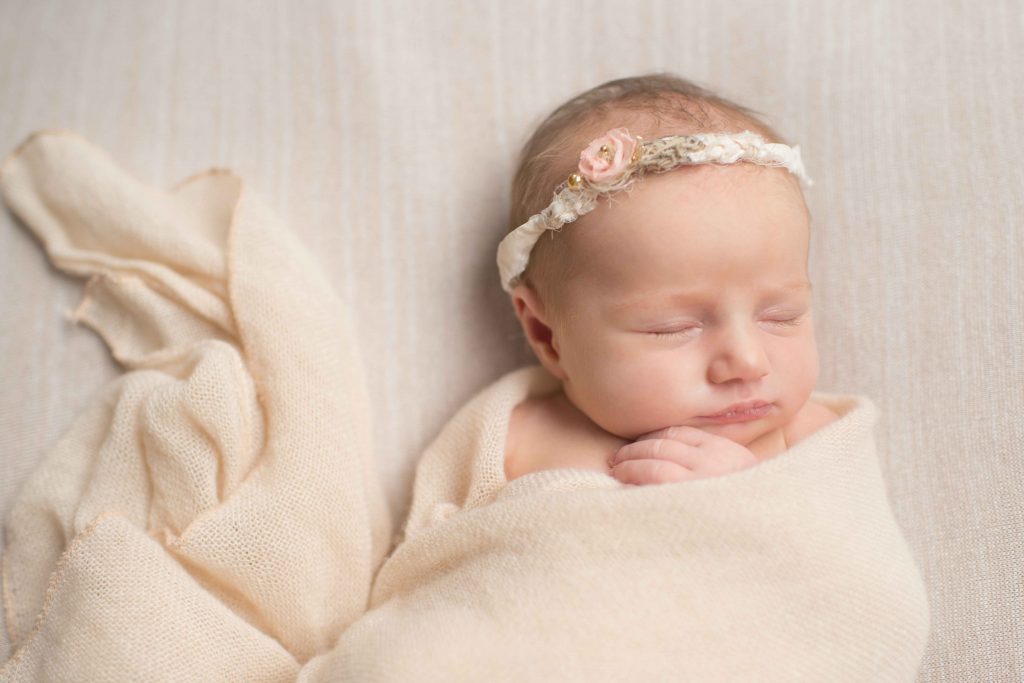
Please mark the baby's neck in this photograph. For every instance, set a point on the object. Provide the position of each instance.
(769, 445)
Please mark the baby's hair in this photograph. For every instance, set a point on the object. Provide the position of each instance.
(552, 152)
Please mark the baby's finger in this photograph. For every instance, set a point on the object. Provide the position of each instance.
(643, 472)
(659, 449)
(682, 433)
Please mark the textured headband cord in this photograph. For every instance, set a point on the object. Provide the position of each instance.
(613, 161)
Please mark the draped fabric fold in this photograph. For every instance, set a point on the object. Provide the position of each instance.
(218, 499)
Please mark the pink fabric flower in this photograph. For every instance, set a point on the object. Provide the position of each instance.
(597, 166)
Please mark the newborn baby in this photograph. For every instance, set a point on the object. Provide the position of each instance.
(677, 315)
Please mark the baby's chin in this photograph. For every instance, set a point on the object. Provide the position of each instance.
(743, 433)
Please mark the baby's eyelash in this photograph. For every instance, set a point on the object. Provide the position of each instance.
(671, 333)
(789, 322)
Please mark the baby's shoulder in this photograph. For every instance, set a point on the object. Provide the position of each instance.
(547, 432)
(813, 416)
(532, 431)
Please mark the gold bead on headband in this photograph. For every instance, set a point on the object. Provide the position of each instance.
(613, 161)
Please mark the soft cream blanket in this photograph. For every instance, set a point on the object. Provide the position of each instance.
(793, 570)
(213, 516)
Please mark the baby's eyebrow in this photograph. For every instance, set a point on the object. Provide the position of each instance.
(687, 295)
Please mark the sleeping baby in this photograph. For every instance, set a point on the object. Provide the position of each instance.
(672, 325)
(677, 313)
(674, 333)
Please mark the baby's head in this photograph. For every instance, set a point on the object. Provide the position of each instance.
(676, 298)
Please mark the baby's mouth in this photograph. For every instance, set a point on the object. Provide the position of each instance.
(741, 412)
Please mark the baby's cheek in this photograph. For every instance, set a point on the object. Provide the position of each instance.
(800, 380)
(637, 398)
(808, 364)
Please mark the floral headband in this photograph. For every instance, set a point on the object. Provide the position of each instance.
(613, 161)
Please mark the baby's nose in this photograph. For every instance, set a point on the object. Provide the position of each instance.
(738, 354)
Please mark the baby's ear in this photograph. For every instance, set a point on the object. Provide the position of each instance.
(537, 328)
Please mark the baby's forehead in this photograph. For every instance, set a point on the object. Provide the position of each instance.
(725, 244)
(698, 206)
(689, 214)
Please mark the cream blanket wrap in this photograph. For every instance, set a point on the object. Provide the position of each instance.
(207, 521)
(793, 570)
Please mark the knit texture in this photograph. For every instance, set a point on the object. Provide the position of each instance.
(213, 514)
(792, 570)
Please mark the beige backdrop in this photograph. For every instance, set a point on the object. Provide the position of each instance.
(385, 134)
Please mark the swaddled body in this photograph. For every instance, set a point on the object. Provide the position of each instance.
(790, 570)
(759, 546)
(662, 498)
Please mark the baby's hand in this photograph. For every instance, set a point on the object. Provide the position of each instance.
(677, 453)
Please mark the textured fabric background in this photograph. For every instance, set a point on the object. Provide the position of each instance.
(385, 135)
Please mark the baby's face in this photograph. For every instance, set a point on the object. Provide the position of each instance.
(693, 295)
